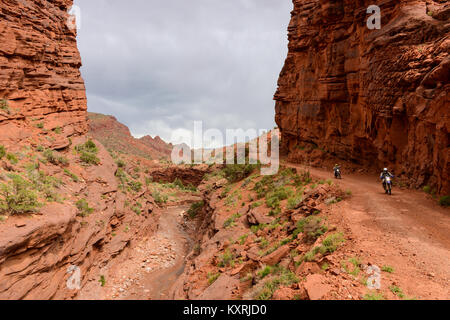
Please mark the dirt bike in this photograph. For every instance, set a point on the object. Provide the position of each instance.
(387, 184)
(337, 174)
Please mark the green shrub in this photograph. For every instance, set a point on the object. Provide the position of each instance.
(83, 208)
(71, 175)
(40, 125)
(445, 201)
(136, 186)
(331, 243)
(374, 296)
(283, 277)
(227, 259)
(137, 208)
(397, 291)
(102, 281)
(159, 198)
(4, 105)
(88, 152)
(387, 269)
(237, 172)
(231, 221)
(427, 189)
(195, 208)
(312, 226)
(120, 163)
(12, 158)
(18, 196)
(89, 158)
(57, 130)
(212, 277)
(274, 198)
(294, 202)
(2, 152)
(55, 159)
(264, 272)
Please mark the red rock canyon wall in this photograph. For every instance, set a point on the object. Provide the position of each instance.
(375, 97)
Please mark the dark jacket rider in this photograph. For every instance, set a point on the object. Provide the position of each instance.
(385, 174)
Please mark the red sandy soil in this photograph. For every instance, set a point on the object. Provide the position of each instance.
(407, 231)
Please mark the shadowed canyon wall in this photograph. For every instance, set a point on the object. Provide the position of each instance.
(40, 81)
(374, 97)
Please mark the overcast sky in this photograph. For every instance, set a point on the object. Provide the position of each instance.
(159, 65)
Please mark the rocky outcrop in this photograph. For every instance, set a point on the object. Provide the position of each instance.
(40, 81)
(42, 253)
(117, 136)
(374, 97)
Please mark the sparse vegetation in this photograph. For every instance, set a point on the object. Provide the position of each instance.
(374, 296)
(227, 259)
(18, 196)
(83, 208)
(387, 269)
(159, 197)
(2, 152)
(12, 158)
(397, 291)
(102, 281)
(282, 277)
(55, 159)
(230, 222)
(444, 201)
(4, 105)
(212, 277)
(88, 152)
(73, 176)
(237, 172)
(195, 208)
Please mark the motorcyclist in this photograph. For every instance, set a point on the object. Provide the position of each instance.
(384, 174)
(337, 170)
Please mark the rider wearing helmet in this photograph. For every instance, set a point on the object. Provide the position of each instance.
(385, 174)
(336, 169)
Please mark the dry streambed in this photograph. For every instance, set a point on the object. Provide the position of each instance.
(151, 266)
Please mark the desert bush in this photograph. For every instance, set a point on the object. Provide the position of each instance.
(427, 189)
(71, 175)
(159, 198)
(136, 186)
(2, 152)
(195, 208)
(55, 158)
(283, 277)
(294, 202)
(12, 158)
(227, 259)
(4, 105)
(120, 163)
(18, 196)
(237, 172)
(83, 208)
(88, 152)
(445, 201)
(231, 222)
(274, 198)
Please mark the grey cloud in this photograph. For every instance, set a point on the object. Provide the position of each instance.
(159, 65)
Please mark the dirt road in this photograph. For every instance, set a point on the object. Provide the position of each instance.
(407, 231)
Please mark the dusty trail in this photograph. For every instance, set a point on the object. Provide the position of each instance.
(150, 268)
(406, 230)
(156, 285)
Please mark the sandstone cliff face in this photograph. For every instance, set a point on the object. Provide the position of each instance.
(40, 81)
(375, 97)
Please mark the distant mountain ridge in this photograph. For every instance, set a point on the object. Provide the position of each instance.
(117, 136)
